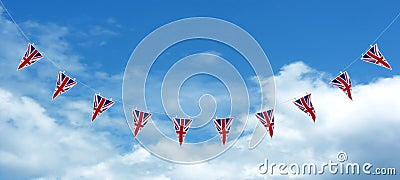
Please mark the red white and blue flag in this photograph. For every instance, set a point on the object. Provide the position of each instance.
(223, 126)
(64, 83)
(31, 56)
(373, 55)
(140, 119)
(304, 104)
(268, 120)
(181, 128)
(100, 104)
(344, 83)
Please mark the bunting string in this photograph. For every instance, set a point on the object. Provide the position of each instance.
(358, 57)
(101, 104)
(47, 57)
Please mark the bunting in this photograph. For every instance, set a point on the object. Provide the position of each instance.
(31, 56)
(223, 126)
(181, 128)
(344, 83)
(100, 104)
(64, 83)
(304, 104)
(140, 119)
(267, 119)
(373, 55)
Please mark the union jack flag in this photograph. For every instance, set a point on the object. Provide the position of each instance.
(140, 119)
(305, 105)
(181, 128)
(223, 126)
(100, 104)
(344, 83)
(373, 55)
(268, 120)
(31, 56)
(64, 83)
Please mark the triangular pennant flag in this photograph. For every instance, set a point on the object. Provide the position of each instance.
(268, 120)
(373, 55)
(140, 119)
(304, 104)
(344, 83)
(100, 104)
(181, 128)
(223, 126)
(64, 83)
(31, 56)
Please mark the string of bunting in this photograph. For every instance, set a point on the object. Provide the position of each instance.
(101, 104)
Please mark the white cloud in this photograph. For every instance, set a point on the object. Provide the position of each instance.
(33, 141)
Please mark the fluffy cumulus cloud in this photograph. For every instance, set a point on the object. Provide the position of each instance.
(364, 128)
(33, 144)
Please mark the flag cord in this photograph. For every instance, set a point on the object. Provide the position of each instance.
(291, 99)
(373, 42)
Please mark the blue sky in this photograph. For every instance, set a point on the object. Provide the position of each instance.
(306, 42)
